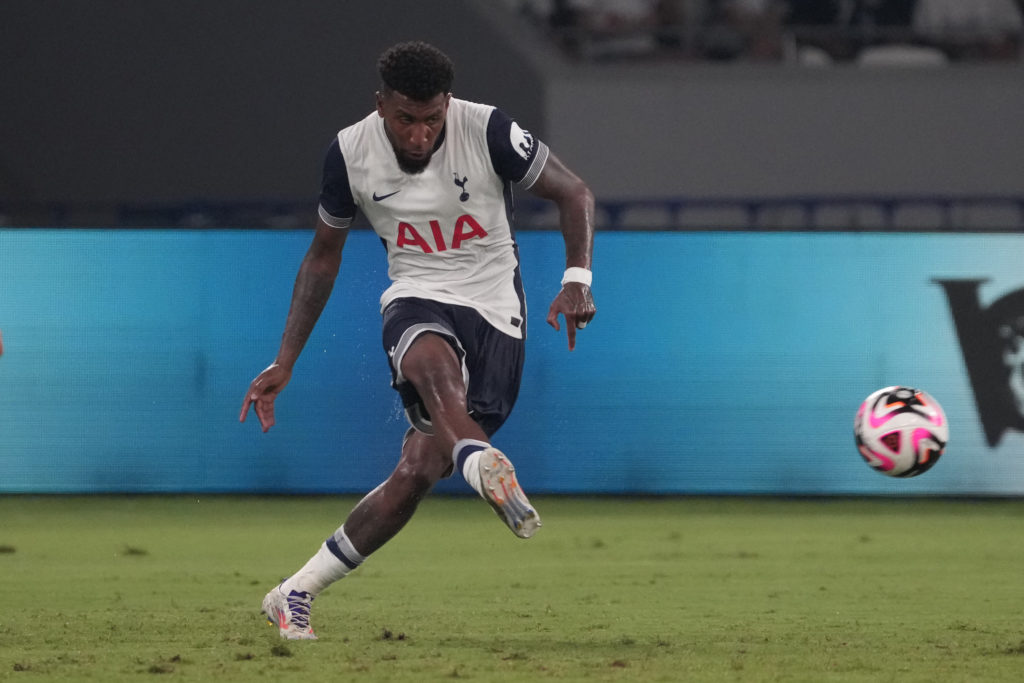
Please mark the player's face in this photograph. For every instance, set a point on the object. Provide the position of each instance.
(412, 126)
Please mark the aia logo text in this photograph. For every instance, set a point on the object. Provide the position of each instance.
(411, 237)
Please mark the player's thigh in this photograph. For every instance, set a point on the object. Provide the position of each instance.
(406, 321)
(433, 367)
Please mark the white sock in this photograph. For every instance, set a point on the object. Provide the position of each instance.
(335, 559)
(466, 456)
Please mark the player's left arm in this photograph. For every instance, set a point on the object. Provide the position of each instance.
(575, 204)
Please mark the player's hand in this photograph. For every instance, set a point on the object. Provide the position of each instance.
(576, 303)
(262, 392)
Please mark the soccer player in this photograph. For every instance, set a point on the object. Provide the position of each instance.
(434, 175)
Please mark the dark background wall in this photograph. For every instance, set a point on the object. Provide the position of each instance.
(777, 130)
(115, 100)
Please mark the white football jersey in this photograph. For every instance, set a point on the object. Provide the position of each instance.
(448, 230)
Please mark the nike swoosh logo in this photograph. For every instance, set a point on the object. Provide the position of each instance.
(384, 196)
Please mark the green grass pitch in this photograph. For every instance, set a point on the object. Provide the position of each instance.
(610, 589)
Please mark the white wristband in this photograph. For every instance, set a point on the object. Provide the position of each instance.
(576, 274)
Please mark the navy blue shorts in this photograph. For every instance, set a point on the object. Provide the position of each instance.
(492, 361)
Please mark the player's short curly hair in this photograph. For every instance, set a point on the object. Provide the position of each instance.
(416, 69)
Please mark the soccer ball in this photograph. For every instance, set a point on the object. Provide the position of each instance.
(900, 431)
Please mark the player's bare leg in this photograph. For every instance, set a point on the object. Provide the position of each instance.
(433, 368)
(373, 522)
(458, 441)
(384, 511)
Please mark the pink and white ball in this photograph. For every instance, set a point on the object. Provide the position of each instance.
(901, 431)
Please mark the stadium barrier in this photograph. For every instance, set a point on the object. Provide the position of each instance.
(718, 363)
(964, 213)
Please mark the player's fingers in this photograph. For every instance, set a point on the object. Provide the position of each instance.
(585, 314)
(570, 328)
(265, 412)
(252, 395)
(553, 318)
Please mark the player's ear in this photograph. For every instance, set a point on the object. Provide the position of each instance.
(379, 97)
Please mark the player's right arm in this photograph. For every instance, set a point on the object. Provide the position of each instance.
(519, 157)
(313, 286)
(312, 289)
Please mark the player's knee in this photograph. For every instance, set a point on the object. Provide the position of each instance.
(415, 479)
(422, 464)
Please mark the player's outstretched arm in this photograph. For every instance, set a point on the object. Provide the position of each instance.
(575, 202)
(313, 287)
